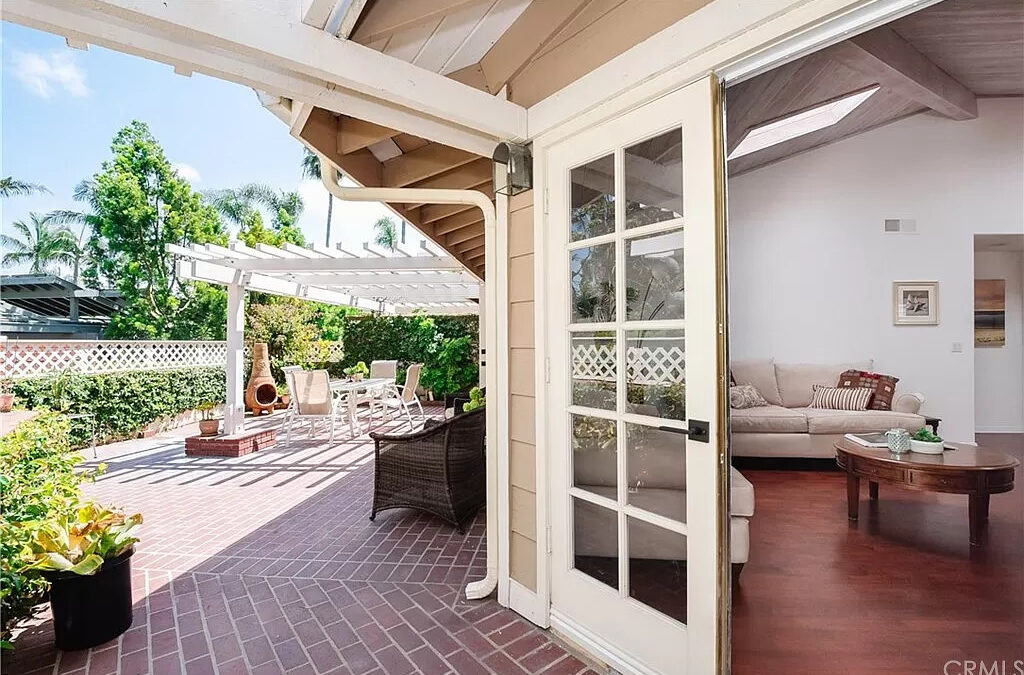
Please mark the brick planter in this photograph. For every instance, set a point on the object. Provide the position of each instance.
(235, 445)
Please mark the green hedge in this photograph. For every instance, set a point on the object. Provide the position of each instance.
(446, 345)
(37, 481)
(122, 403)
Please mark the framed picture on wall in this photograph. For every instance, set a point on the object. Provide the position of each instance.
(989, 312)
(915, 303)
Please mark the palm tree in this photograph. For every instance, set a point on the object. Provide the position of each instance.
(10, 187)
(311, 169)
(385, 233)
(85, 191)
(42, 244)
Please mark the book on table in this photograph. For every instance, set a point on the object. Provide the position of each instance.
(876, 440)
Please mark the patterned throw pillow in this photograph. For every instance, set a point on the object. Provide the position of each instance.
(840, 398)
(745, 396)
(883, 387)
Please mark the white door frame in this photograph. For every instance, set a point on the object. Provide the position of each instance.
(740, 59)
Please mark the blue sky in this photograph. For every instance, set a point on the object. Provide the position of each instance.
(61, 107)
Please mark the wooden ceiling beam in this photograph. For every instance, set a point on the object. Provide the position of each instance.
(475, 254)
(526, 37)
(424, 163)
(465, 234)
(457, 222)
(355, 134)
(391, 16)
(469, 245)
(896, 65)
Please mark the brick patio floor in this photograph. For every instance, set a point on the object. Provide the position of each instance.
(268, 564)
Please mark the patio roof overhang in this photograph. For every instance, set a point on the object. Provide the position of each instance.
(403, 284)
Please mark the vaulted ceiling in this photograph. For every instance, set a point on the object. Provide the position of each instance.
(939, 59)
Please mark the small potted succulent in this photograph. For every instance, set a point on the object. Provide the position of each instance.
(926, 442)
(6, 394)
(358, 371)
(209, 425)
(86, 557)
(476, 400)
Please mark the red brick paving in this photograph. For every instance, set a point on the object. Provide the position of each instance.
(268, 563)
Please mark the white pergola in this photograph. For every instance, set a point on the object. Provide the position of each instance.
(404, 283)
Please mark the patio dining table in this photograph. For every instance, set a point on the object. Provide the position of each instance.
(353, 387)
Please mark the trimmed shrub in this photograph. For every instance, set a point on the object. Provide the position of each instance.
(122, 403)
(446, 346)
(38, 481)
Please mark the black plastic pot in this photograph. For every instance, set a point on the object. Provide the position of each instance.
(89, 610)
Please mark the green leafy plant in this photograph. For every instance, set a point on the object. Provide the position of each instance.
(290, 329)
(207, 408)
(925, 434)
(476, 400)
(6, 386)
(282, 389)
(39, 480)
(451, 367)
(81, 541)
(358, 369)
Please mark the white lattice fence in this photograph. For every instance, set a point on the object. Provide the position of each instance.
(645, 365)
(29, 358)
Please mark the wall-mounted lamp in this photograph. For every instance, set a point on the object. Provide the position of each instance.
(513, 169)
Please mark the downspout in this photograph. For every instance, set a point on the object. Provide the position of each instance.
(484, 587)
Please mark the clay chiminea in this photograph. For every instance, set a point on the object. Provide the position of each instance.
(261, 392)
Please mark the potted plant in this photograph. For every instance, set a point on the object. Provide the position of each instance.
(209, 425)
(358, 371)
(283, 395)
(86, 557)
(476, 400)
(926, 442)
(6, 394)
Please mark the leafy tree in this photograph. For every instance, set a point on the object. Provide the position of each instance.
(289, 328)
(311, 169)
(10, 187)
(385, 233)
(140, 205)
(43, 244)
(244, 207)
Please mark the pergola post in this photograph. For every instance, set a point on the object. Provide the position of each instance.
(234, 410)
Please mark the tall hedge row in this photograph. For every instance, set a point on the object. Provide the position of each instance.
(446, 345)
(121, 403)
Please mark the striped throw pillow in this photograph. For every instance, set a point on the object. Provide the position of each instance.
(840, 398)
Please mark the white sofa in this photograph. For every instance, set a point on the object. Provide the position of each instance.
(787, 427)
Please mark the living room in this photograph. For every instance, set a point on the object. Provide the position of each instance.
(872, 187)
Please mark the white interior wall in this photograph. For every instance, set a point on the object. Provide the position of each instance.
(999, 371)
(811, 269)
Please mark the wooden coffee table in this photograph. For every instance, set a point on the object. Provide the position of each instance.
(966, 470)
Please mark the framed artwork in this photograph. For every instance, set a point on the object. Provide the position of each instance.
(915, 303)
(990, 312)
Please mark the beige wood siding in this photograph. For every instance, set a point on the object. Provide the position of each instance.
(522, 405)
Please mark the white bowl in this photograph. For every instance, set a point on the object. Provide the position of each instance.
(926, 447)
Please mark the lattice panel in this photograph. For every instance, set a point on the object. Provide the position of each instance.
(645, 365)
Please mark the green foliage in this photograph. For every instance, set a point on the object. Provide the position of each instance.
(121, 403)
(41, 242)
(10, 187)
(140, 204)
(80, 541)
(358, 369)
(448, 368)
(925, 434)
(385, 233)
(37, 481)
(289, 328)
(476, 400)
(244, 207)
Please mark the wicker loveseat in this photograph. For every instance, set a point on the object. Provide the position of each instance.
(439, 470)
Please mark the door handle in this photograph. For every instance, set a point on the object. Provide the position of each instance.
(698, 430)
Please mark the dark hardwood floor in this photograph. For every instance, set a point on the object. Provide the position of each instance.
(901, 591)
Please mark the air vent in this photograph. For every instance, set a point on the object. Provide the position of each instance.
(900, 225)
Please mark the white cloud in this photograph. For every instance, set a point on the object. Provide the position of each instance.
(44, 74)
(188, 172)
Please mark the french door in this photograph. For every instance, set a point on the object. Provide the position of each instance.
(635, 338)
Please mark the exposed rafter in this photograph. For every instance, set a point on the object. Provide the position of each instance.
(355, 134)
(385, 18)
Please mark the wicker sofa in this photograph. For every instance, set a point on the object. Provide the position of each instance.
(439, 469)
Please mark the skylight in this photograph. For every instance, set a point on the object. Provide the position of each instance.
(801, 123)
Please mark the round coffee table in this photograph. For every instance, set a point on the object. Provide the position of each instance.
(965, 470)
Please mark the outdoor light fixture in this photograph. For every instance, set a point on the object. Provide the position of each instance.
(513, 169)
(801, 123)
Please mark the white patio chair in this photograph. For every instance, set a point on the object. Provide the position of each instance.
(378, 370)
(290, 410)
(402, 400)
(314, 401)
(383, 369)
